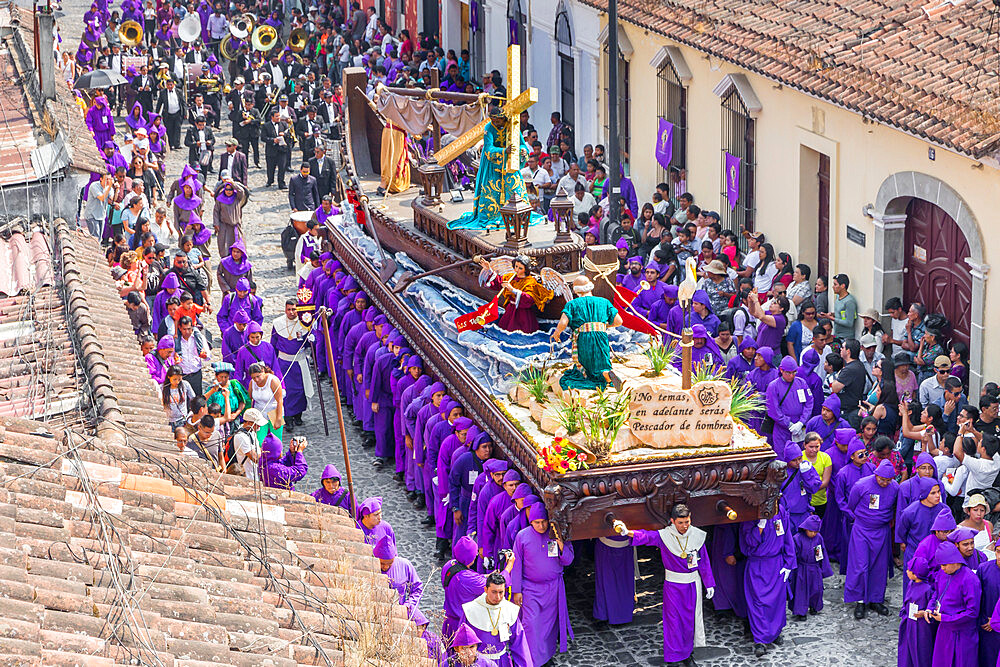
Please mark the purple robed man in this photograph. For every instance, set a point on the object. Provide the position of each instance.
(801, 482)
(739, 367)
(235, 337)
(915, 521)
(330, 491)
(789, 404)
(461, 583)
(100, 121)
(157, 365)
(760, 378)
(911, 489)
(728, 568)
(483, 490)
(537, 585)
(371, 523)
(964, 539)
(411, 372)
(255, 350)
(240, 299)
(367, 368)
(291, 345)
(943, 525)
(916, 634)
(989, 583)
(465, 646)
(956, 609)
(687, 572)
(660, 311)
(807, 372)
(381, 399)
(413, 399)
(465, 474)
(446, 454)
(425, 415)
(517, 515)
(857, 467)
(633, 279)
(489, 538)
(872, 504)
(359, 336)
(497, 624)
(444, 522)
(770, 552)
(812, 565)
(403, 578)
(614, 579)
(840, 441)
(701, 313)
(828, 421)
(277, 471)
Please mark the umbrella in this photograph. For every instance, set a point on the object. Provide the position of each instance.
(100, 78)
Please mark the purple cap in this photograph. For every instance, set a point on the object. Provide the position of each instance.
(944, 521)
(330, 472)
(924, 486)
(360, 295)
(792, 451)
(464, 636)
(811, 522)
(844, 436)
(961, 534)
(254, 327)
(622, 244)
(947, 553)
(271, 447)
(385, 549)
(241, 317)
(462, 423)
(369, 506)
(242, 285)
(537, 511)
(522, 491)
(494, 465)
(748, 344)
(832, 403)
(414, 362)
(465, 550)
(767, 354)
(788, 365)
(885, 470)
(699, 331)
(511, 476)
(856, 445)
(165, 343)
(810, 358)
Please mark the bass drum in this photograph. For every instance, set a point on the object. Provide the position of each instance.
(298, 220)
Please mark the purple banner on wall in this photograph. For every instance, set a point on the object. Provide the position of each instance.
(732, 179)
(664, 143)
(512, 32)
(474, 16)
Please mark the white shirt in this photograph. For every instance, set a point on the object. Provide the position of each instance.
(582, 205)
(190, 361)
(242, 444)
(277, 76)
(898, 328)
(982, 472)
(762, 282)
(372, 28)
(569, 185)
(173, 101)
(541, 178)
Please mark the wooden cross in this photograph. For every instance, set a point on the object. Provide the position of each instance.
(515, 102)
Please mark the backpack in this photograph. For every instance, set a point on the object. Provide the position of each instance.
(728, 315)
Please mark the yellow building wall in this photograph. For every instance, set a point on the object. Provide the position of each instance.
(791, 129)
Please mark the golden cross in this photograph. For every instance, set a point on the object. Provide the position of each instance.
(515, 102)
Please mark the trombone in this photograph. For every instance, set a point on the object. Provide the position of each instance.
(130, 33)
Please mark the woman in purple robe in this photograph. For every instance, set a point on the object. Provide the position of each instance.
(770, 552)
(956, 609)
(872, 505)
(537, 586)
(234, 266)
(135, 118)
(100, 121)
(461, 583)
(762, 375)
(371, 523)
(156, 145)
(279, 471)
(728, 568)
(807, 371)
(465, 472)
(330, 491)
(989, 584)
(915, 521)
(828, 420)
(812, 565)
(413, 399)
(916, 634)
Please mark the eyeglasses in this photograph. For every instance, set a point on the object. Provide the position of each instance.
(942, 370)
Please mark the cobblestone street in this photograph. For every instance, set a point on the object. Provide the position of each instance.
(831, 638)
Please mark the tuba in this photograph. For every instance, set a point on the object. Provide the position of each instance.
(241, 27)
(190, 28)
(264, 38)
(130, 33)
(228, 49)
(297, 40)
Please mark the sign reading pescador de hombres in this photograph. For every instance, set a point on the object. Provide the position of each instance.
(664, 416)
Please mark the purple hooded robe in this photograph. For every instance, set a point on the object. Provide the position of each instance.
(812, 565)
(873, 508)
(768, 551)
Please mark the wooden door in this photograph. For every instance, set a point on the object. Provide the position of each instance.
(823, 253)
(936, 272)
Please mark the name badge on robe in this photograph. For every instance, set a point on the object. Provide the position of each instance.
(779, 529)
(818, 552)
(802, 490)
(473, 497)
(801, 393)
(692, 560)
(912, 611)
(873, 501)
(473, 474)
(553, 549)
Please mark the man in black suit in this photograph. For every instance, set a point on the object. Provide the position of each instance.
(198, 140)
(277, 137)
(144, 84)
(235, 161)
(321, 168)
(170, 105)
(246, 128)
(303, 194)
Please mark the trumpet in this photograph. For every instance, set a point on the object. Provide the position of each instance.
(130, 33)
(211, 83)
(264, 38)
(162, 76)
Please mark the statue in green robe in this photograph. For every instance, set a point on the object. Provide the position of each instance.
(589, 317)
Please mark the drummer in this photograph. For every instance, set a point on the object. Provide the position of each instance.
(307, 244)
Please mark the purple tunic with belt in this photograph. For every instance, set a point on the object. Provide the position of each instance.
(614, 579)
(768, 551)
(873, 507)
(294, 367)
(686, 573)
(509, 647)
(538, 576)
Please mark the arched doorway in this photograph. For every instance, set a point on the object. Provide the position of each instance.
(936, 273)
(928, 247)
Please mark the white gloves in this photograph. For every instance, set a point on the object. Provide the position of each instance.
(709, 592)
(785, 572)
(762, 523)
(805, 465)
(798, 432)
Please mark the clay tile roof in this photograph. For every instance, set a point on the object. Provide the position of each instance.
(17, 137)
(886, 59)
(115, 549)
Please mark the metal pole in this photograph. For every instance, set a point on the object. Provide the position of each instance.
(340, 414)
(614, 156)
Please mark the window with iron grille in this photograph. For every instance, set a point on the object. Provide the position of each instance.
(738, 138)
(624, 123)
(564, 42)
(516, 35)
(671, 103)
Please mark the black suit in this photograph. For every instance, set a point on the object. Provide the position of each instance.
(236, 163)
(172, 121)
(303, 194)
(275, 155)
(248, 135)
(144, 97)
(322, 171)
(194, 150)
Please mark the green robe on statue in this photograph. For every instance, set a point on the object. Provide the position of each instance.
(494, 185)
(591, 349)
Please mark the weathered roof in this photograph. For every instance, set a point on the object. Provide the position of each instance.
(17, 135)
(115, 549)
(925, 68)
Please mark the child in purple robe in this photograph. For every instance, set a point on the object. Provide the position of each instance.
(812, 565)
(537, 585)
(371, 523)
(828, 420)
(330, 491)
(465, 646)
(955, 606)
(770, 552)
(801, 481)
(916, 634)
(989, 583)
(872, 504)
(856, 468)
(740, 366)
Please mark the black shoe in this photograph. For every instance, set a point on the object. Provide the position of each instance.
(398, 477)
(411, 495)
(879, 608)
(812, 611)
(290, 426)
(860, 611)
(778, 641)
(427, 521)
(759, 650)
(380, 191)
(282, 186)
(378, 462)
(420, 504)
(689, 662)
(615, 380)
(268, 184)
(798, 617)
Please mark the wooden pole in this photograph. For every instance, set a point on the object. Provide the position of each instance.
(687, 342)
(340, 414)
